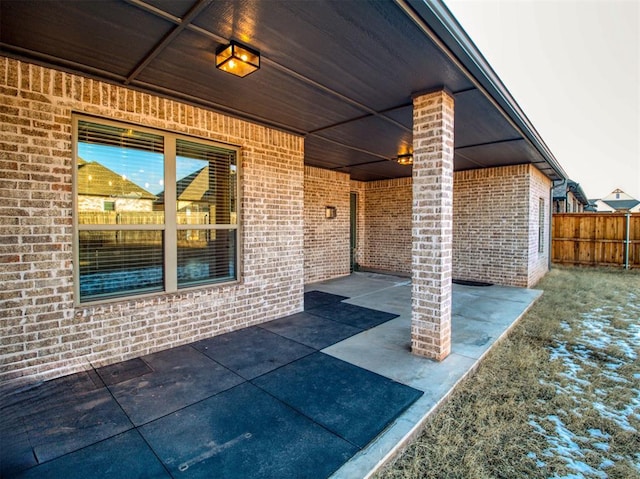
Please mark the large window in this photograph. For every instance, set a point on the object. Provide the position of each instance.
(154, 211)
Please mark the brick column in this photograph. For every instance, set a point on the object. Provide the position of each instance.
(432, 224)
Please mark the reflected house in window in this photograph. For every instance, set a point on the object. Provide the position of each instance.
(204, 197)
(108, 258)
(135, 239)
(104, 196)
(196, 205)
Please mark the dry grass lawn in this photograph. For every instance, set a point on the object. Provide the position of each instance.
(558, 397)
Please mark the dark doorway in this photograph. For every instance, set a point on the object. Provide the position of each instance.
(353, 230)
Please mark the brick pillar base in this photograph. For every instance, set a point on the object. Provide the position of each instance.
(432, 224)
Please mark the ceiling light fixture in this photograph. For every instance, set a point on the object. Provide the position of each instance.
(405, 159)
(237, 59)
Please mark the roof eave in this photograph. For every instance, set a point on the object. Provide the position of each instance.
(578, 192)
(460, 47)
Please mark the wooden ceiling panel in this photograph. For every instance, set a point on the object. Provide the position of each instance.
(372, 134)
(500, 154)
(329, 69)
(107, 35)
(478, 122)
(188, 65)
(374, 55)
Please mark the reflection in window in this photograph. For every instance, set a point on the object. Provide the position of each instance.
(120, 261)
(120, 173)
(205, 192)
(541, 217)
(121, 205)
(205, 257)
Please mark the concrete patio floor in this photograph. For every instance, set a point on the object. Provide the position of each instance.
(480, 317)
(288, 398)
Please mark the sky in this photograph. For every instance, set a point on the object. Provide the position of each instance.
(144, 168)
(573, 66)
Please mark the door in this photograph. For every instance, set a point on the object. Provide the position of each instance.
(353, 232)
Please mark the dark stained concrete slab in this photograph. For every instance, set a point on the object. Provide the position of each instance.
(311, 330)
(181, 376)
(252, 352)
(59, 417)
(123, 371)
(245, 433)
(339, 396)
(16, 453)
(313, 299)
(352, 315)
(123, 456)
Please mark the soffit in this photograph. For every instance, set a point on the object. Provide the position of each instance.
(341, 73)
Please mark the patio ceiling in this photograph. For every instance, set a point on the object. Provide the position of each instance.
(340, 73)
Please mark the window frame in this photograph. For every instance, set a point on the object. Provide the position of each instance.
(169, 228)
(541, 223)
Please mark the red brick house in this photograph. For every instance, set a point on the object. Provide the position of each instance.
(302, 174)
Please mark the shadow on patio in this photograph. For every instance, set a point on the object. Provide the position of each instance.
(328, 392)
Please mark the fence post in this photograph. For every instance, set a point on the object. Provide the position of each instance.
(626, 245)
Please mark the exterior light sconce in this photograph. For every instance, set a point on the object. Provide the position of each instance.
(405, 159)
(330, 212)
(237, 59)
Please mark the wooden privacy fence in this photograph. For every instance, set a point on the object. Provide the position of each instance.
(596, 239)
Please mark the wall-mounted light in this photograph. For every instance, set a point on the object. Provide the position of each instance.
(405, 159)
(330, 212)
(237, 59)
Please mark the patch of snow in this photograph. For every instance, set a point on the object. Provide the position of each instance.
(565, 326)
(539, 463)
(598, 434)
(599, 350)
(563, 443)
(606, 463)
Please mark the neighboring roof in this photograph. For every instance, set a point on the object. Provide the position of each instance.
(193, 187)
(618, 194)
(107, 183)
(341, 74)
(622, 205)
(601, 206)
(560, 191)
(618, 200)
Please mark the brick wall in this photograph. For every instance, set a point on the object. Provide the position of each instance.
(432, 224)
(326, 241)
(496, 225)
(538, 264)
(388, 225)
(43, 335)
(383, 241)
